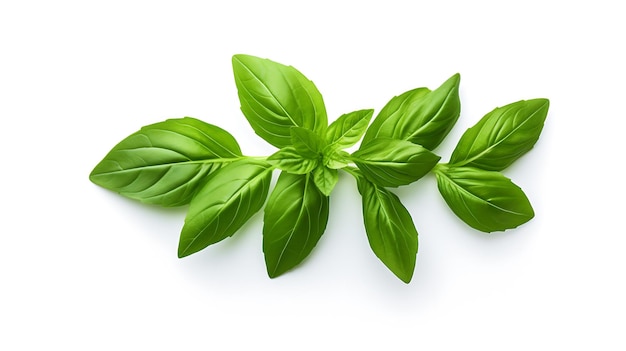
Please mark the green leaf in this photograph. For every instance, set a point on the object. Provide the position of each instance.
(336, 159)
(306, 142)
(230, 197)
(289, 160)
(420, 116)
(325, 179)
(165, 163)
(275, 97)
(502, 136)
(485, 200)
(295, 218)
(346, 130)
(390, 162)
(389, 227)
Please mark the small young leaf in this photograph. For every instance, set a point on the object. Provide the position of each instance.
(336, 159)
(389, 227)
(306, 142)
(420, 116)
(325, 179)
(346, 130)
(295, 219)
(230, 197)
(390, 162)
(485, 200)
(289, 160)
(165, 163)
(501, 136)
(275, 97)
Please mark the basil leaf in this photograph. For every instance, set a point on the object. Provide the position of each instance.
(346, 130)
(275, 97)
(289, 160)
(390, 162)
(165, 163)
(325, 179)
(295, 218)
(336, 159)
(420, 116)
(306, 142)
(485, 200)
(389, 227)
(224, 204)
(502, 136)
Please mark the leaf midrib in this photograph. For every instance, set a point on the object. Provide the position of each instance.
(429, 121)
(169, 164)
(472, 195)
(380, 194)
(296, 224)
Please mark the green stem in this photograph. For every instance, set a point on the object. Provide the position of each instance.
(352, 171)
(260, 158)
(441, 168)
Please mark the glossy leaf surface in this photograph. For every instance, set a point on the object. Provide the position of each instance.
(390, 162)
(485, 200)
(306, 142)
(348, 129)
(289, 160)
(390, 229)
(275, 97)
(420, 116)
(295, 219)
(230, 197)
(502, 136)
(336, 159)
(165, 163)
(325, 179)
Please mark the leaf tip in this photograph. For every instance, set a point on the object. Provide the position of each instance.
(272, 275)
(326, 191)
(536, 104)
(240, 60)
(406, 279)
(182, 253)
(454, 80)
(403, 273)
(275, 271)
(184, 250)
(93, 176)
(544, 102)
(238, 57)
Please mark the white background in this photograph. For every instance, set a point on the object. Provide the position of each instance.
(82, 268)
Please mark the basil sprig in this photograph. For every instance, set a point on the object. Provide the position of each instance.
(186, 161)
(471, 183)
